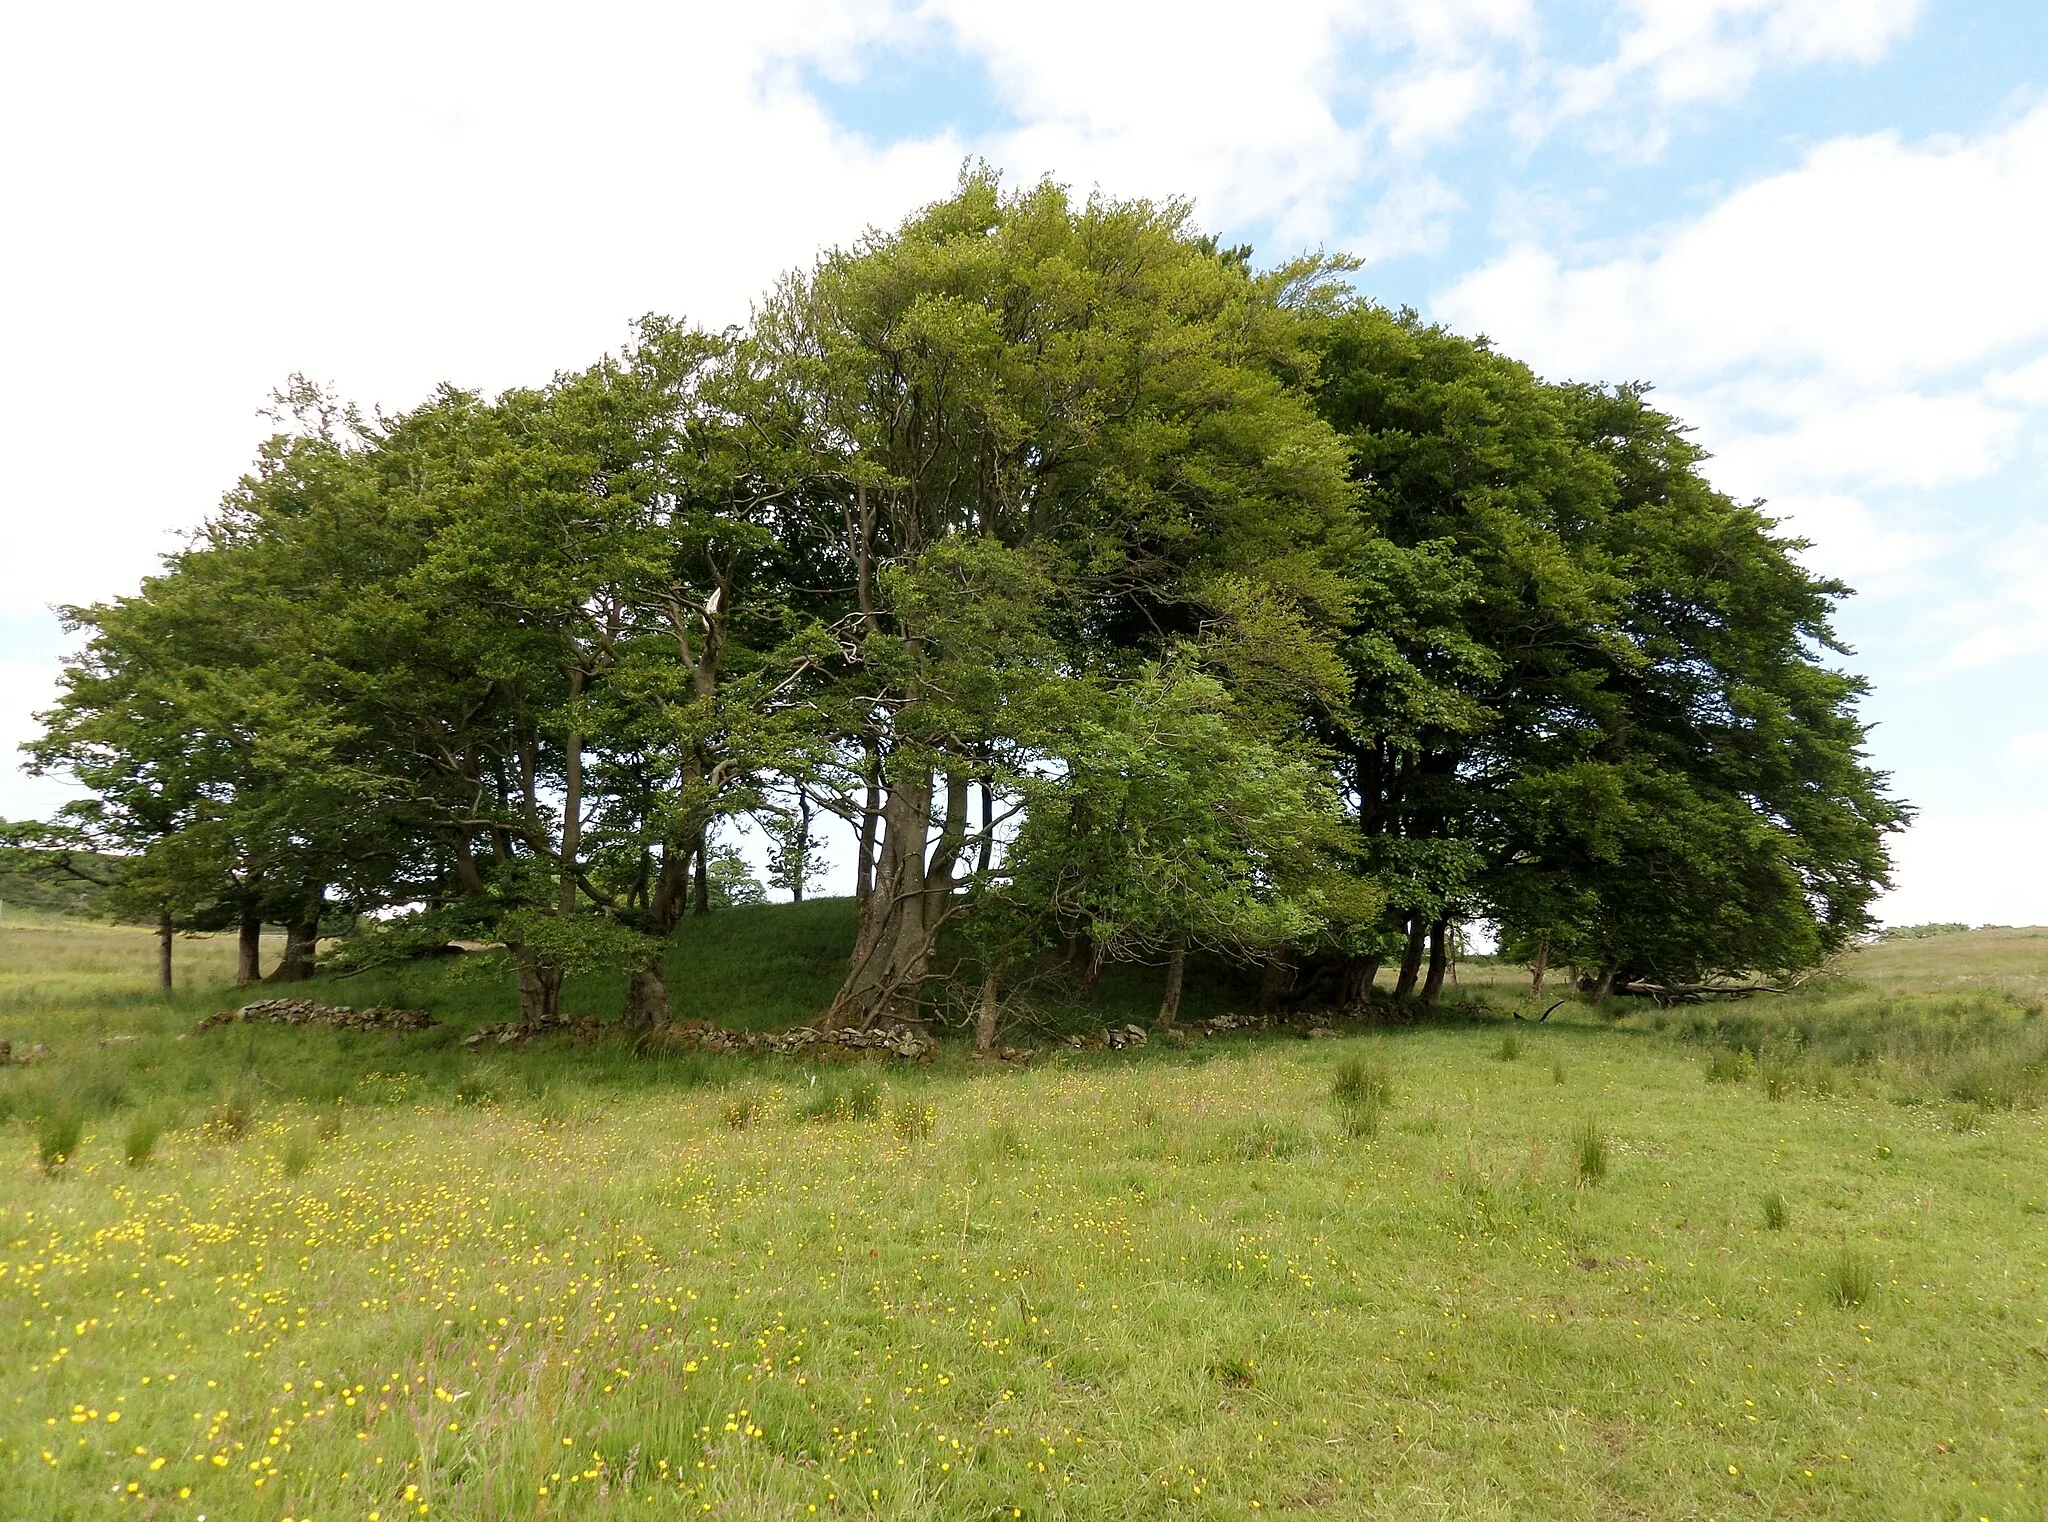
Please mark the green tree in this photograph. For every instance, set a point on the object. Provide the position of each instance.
(1080, 412)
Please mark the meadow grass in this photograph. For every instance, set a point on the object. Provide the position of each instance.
(379, 1275)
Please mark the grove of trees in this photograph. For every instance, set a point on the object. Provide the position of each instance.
(1120, 597)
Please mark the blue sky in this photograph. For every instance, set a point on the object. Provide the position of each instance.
(1818, 226)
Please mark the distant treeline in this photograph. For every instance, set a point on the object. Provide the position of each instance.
(1118, 596)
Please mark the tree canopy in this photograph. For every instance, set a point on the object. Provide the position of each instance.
(1117, 596)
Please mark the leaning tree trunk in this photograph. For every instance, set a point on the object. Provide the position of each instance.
(249, 951)
(301, 941)
(164, 932)
(1354, 984)
(1540, 966)
(1176, 978)
(1439, 961)
(1411, 958)
(892, 952)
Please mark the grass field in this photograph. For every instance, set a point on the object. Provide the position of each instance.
(1784, 1259)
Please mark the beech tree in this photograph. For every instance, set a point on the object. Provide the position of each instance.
(1089, 402)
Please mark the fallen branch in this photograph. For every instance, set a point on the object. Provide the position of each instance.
(1697, 990)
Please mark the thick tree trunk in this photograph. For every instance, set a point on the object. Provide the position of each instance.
(986, 1008)
(1439, 961)
(164, 932)
(647, 1003)
(892, 952)
(939, 876)
(540, 992)
(1273, 985)
(301, 941)
(249, 952)
(1541, 965)
(1603, 985)
(1411, 958)
(1176, 977)
(1354, 983)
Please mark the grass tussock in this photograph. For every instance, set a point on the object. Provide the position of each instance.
(57, 1138)
(1590, 1157)
(139, 1145)
(913, 1121)
(1777, 1214)
(1849, 1278)
(1361, 1092)
(840, 1097)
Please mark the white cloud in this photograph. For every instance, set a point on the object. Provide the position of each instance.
(202, 200)
(1875, 263)
(1853, 542)
(1277, 119)
(1975, 868)
(2030, 749)
(1873, 320)
(26, 687)
(1682, 52)
(2005, 611)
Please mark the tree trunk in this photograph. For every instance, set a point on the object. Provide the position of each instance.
(1176, 976)
(892, 952)
(572, 810)
(647, 1003)
(939, 878)
(164, 931)
(985, 1011)
(249, 952)
(1602, 986)
(540, 992)
(870, 818)
(1439, 960)
(1091, 977)
(703, 876)
(1542, 964)
(1411, 958)
(1277, 979)
(1354, 983)
(301, 941)
(803, 847)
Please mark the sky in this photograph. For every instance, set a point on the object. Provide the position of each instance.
(1818, 227)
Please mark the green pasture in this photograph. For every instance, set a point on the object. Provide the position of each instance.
(1783, 1258)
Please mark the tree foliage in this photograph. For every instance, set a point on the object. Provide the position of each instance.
(1116, 596)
